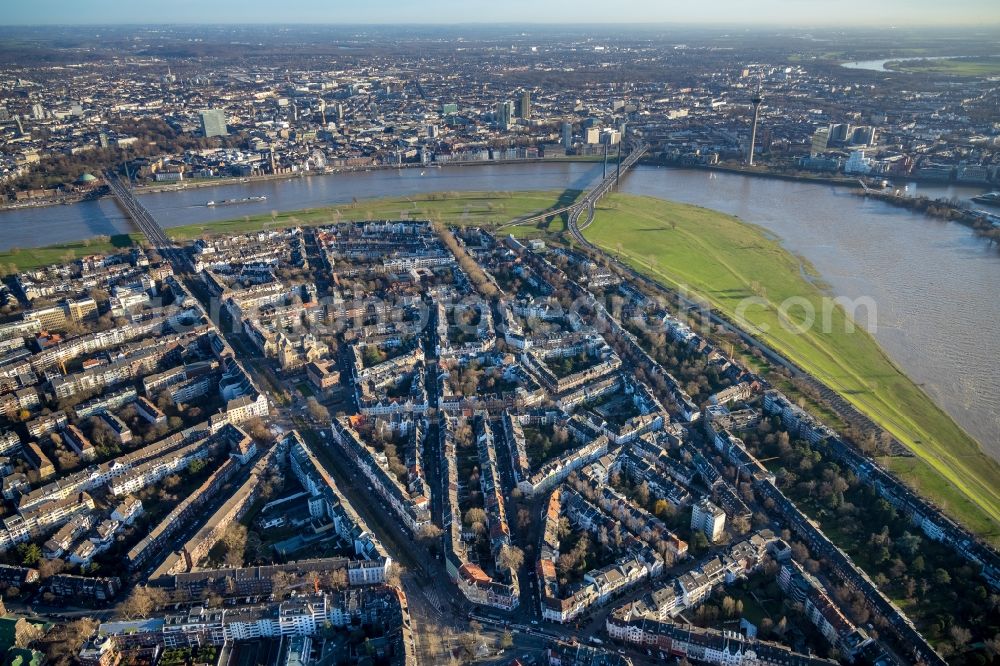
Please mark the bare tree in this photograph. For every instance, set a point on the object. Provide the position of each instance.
(141, 602)
(392, 576)
(63, 641)
(280, 583)
(235, 541)
(317, 410)
(510, 557)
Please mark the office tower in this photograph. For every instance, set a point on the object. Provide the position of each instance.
(505, 115)
(863, 136)
(567, 135)
(820, 141)
(525, 108)
(708, 519)
(610, 136)
(840, 132)
(756, 100)
(37, 111)
(213, 123)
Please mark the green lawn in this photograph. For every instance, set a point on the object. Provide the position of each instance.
(725, 260)
(929, 483)
(987, 66)
(27, 258)
(474, 208)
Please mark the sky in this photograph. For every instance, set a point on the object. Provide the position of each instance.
(729, 12)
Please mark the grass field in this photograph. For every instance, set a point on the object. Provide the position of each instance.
(478, 208)
(27, 258)
(725, 260)
(989, 66)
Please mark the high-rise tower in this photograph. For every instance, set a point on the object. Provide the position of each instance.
(567, 135)
(525, 107)
(755, 100)
(505, 115)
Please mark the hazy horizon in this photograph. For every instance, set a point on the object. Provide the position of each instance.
(774, 13)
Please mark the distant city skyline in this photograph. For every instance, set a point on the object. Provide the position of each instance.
(721, 12)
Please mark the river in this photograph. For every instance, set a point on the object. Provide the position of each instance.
(20, 228)
(879, 65)
(934, 282)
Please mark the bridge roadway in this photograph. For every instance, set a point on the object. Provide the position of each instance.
(592, 195)
(588, 203)
(147, 224)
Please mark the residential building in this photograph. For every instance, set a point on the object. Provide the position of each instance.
(708, 519)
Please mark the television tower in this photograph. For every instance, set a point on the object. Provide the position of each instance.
(755, 100)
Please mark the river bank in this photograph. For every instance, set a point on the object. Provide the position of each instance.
(725, 260)
(61, 200)
(475, 208)
(942, 210)
(198, 183)
(924, 287)
(211, 182)
(853, 182)
(760, 172)
(938, 208)
(880, 64)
